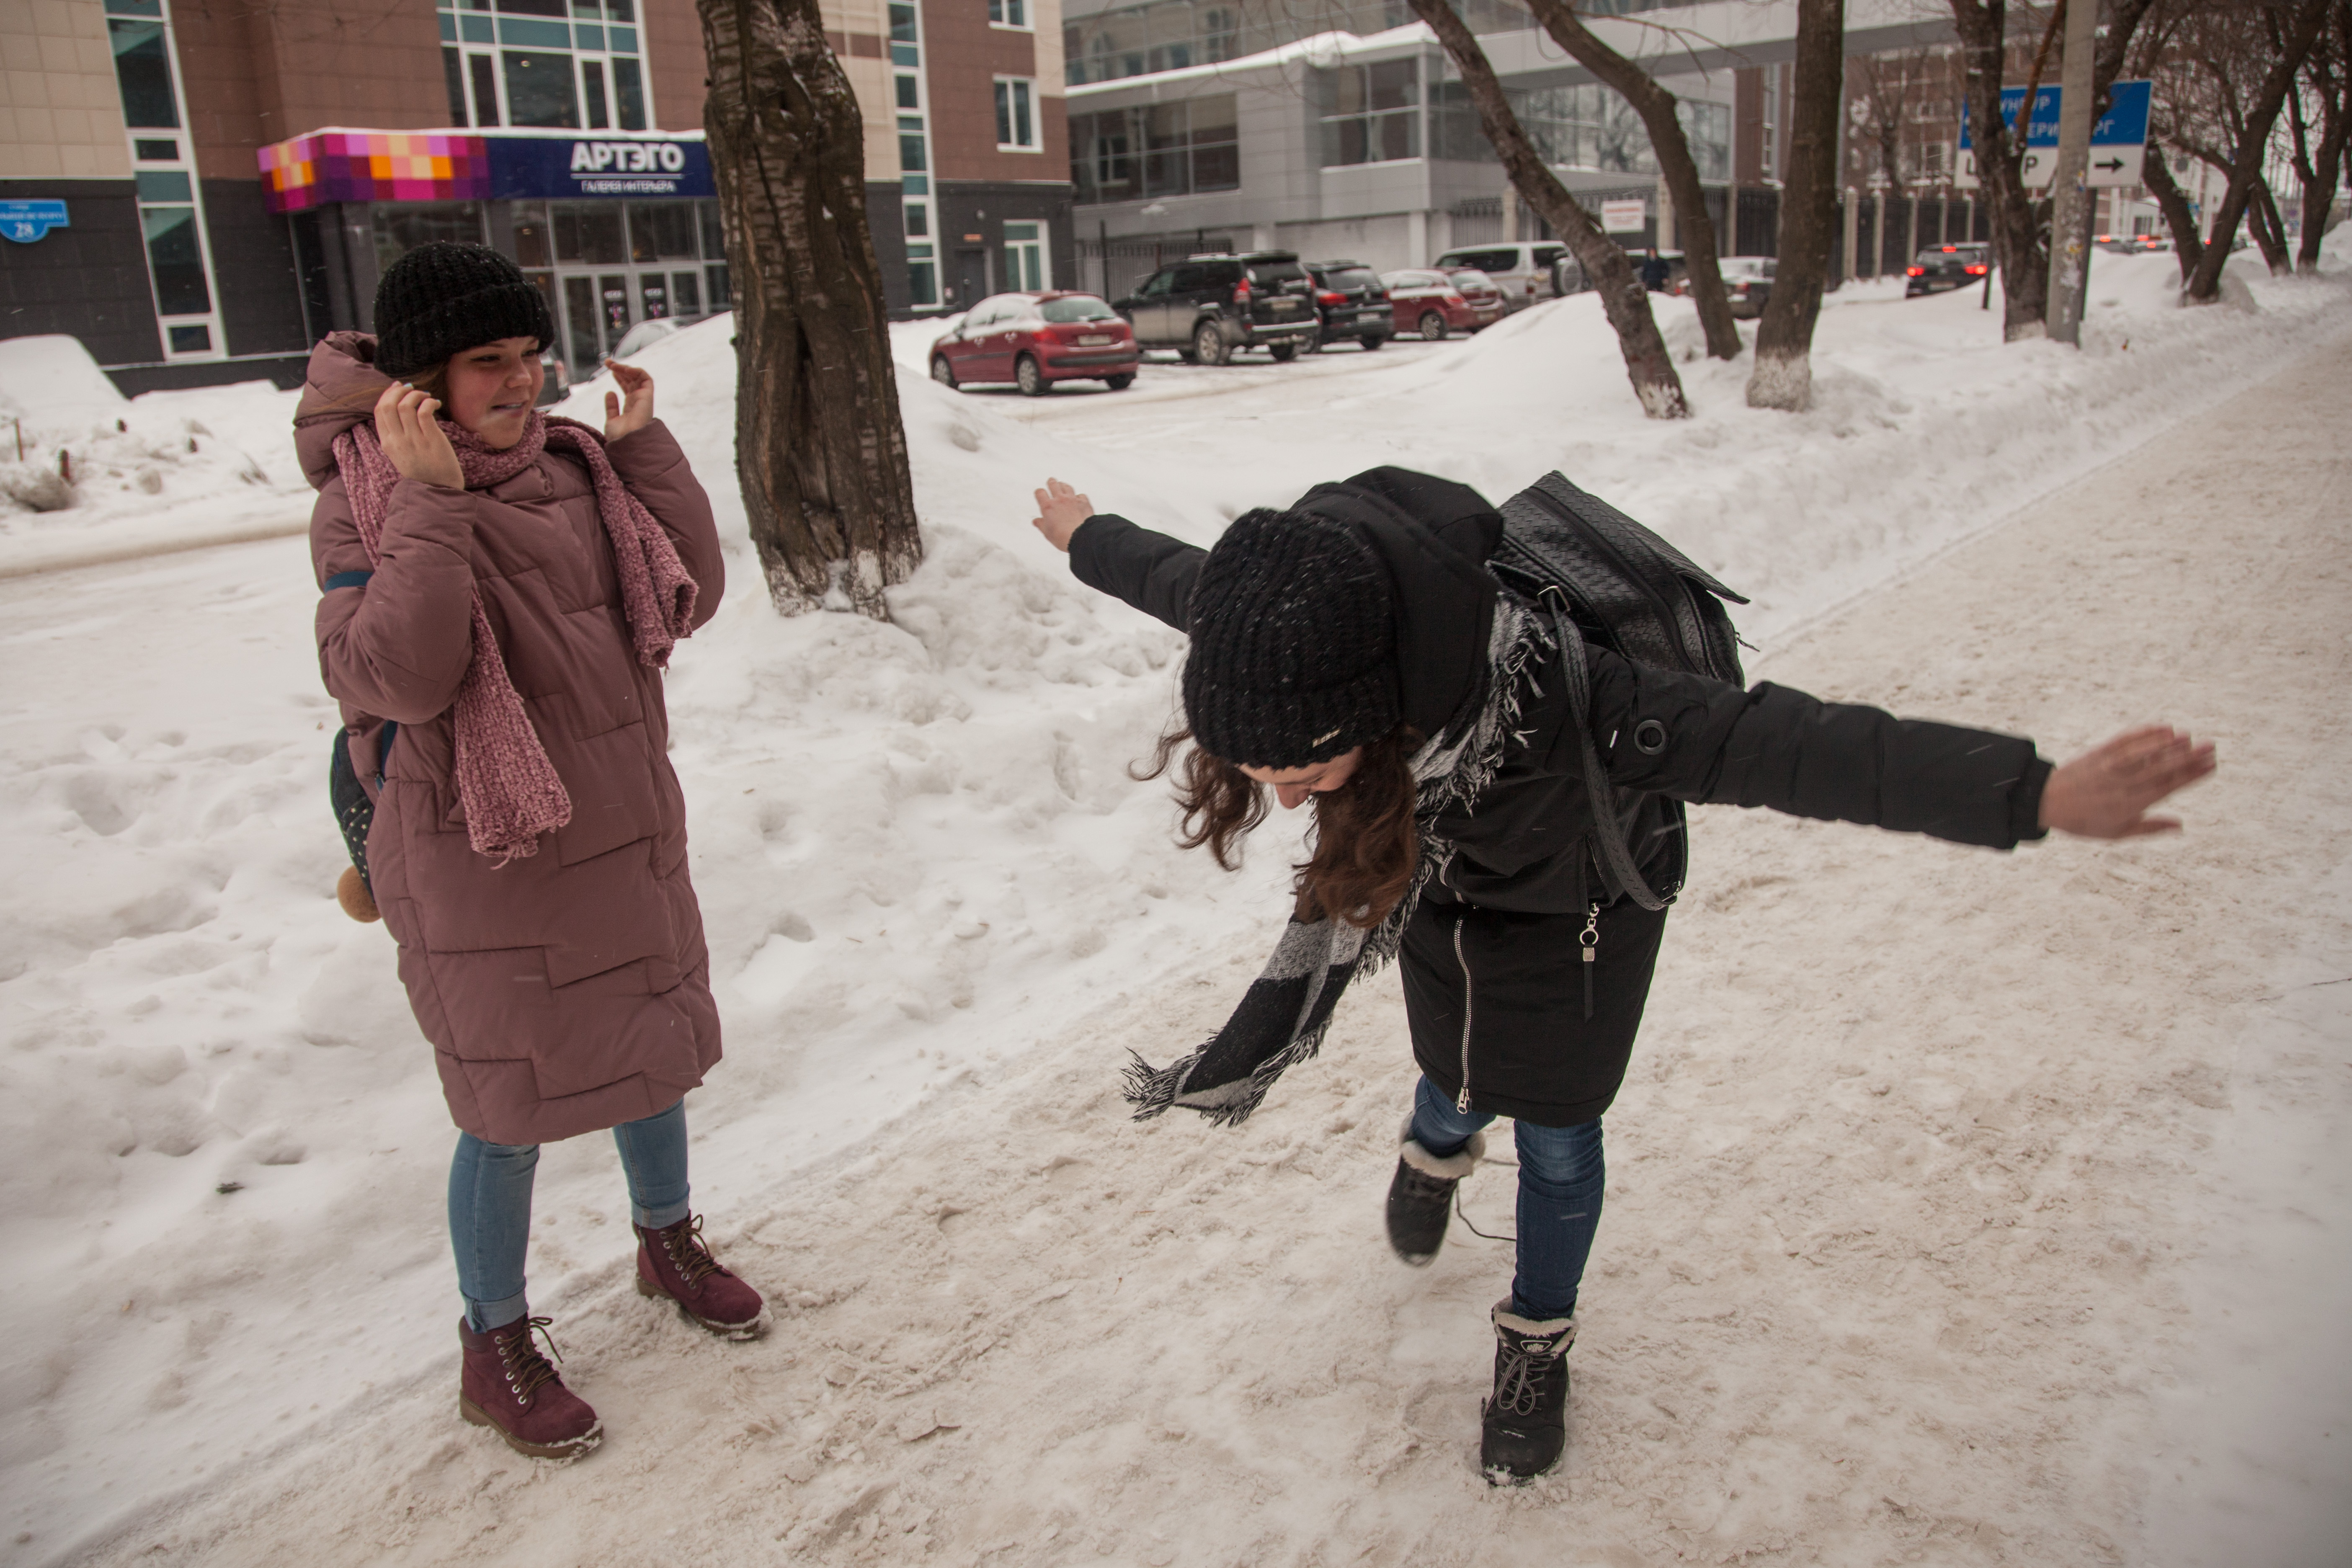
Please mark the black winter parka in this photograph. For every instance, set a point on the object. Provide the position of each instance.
(1507, 1016)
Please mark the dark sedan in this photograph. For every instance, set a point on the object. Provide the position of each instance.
(1351, 303)
(1942, 267)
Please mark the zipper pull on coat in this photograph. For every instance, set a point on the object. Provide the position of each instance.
(1589, 939)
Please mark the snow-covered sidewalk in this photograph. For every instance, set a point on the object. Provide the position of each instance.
(1911, 1182)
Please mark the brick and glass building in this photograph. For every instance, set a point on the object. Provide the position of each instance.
(200, 192)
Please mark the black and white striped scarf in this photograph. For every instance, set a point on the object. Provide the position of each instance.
(1282, 1019)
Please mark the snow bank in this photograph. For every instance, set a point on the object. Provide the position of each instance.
(917, 845)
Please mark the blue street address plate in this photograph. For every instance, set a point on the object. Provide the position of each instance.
(25, 222)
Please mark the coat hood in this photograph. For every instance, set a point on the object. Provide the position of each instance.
(340, 389)
(1435, 536)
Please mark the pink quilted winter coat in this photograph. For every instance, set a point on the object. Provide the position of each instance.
(569, 990)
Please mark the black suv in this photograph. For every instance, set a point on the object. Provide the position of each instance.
(1352, 303)
(1207, 308)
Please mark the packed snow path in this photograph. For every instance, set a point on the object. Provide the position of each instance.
(1911, 1186)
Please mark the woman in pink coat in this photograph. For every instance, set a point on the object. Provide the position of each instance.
(501, 591)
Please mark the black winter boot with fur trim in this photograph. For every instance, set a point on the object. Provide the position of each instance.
(1421, 1194)
(1524, 1420)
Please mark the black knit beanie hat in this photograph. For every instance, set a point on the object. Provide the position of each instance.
(443, 298)
(1294, 643)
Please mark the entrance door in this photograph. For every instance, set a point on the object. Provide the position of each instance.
(971, 278)
(613, 295)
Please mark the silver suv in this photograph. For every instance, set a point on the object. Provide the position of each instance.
(1521, 269)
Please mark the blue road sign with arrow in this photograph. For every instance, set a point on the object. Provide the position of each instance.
(2118, 142)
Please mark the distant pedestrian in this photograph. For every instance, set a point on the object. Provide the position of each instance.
(503, 591)
(1656, 272)
(1359, 651)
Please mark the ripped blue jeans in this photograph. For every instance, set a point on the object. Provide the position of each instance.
(1561, 1181)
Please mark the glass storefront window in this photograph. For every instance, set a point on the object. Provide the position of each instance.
(590, 233)
(402, 227)
(714, 232)
(722, 293)
(659, 231)
(532, 246)
(540, 91)
(176, 261)
(486, 90)
(145, 74)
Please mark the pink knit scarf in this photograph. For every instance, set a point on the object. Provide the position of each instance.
(505, 782)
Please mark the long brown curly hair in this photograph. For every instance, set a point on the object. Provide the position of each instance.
(1363, 846)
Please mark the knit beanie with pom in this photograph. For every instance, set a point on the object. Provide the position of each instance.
(443, 298)
(1294, 643)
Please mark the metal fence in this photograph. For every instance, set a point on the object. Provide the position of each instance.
(1112, 268)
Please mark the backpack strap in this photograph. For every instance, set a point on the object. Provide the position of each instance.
(1610, 851)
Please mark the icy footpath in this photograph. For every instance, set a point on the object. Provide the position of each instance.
(920, 860)
(1910, 1186)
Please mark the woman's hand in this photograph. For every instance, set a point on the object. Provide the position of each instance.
(1060, 510)
(625, 418)
(413, 439)
(2105, 792)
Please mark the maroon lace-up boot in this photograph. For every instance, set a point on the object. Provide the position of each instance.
(506, 1385)
(674, 1263)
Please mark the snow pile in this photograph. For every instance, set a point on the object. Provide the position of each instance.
(75, 452)
(917, 845)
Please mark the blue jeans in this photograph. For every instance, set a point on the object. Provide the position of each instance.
(489, 1207)
(1561, 1181)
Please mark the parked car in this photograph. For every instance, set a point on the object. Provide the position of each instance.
(1568, 275)
(1942, 267)
(1427, 303)
(1351, 303)
(1208, 307)
(1747, 281)
(2133, 244)
(644, 335)
(1478, 291)
(1523, 270)
(1033, 340)
(555, 383)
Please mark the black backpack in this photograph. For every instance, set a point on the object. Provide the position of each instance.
(1600, 573)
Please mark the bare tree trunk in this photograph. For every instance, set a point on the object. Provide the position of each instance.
(819, 448)
(1622, 299)
(2188, 245)
(1655, 105)
(1783, 377)
(2013, 216)
(2319, 167)
(2269, 229)
(2205, 284)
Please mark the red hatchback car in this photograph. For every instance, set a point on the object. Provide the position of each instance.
(1430, 303)
(1036, 340)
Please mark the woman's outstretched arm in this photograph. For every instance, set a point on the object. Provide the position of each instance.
(1150, 571)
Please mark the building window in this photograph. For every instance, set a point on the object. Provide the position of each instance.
(1024, 257)
(144, 71)
(567, 64)
(1220, 35)
(1588, 127)
(1157, 150)
(1016, 124)
(540, 91)
(171, 207)
(1008, 13)
(1370, 115)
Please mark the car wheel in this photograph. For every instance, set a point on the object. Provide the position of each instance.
(1433, 326)
(1209, 343)
(1030, 377)
(1371, 340)
(1120, 383)
(942, 372)
(1282, 351)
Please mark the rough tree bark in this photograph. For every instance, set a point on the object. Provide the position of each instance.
(2302, 31)
(819, 448)
(1783, 377)
(2269, 230)
(1656, 106)
(1622, 299)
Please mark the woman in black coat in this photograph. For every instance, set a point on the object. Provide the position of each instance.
(1357, 652)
